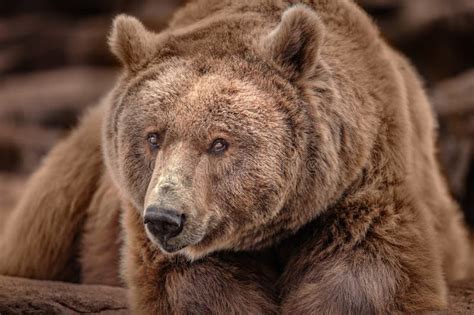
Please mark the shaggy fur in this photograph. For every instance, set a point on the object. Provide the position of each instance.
(328, 199)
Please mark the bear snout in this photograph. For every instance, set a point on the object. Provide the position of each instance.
(163, 223)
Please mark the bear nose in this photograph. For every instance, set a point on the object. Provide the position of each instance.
(163, 223)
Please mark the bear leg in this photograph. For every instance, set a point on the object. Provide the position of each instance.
(40, 236)
(365, 258)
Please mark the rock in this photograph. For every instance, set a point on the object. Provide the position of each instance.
(399, 18)
(33, 42)
(36, 110)
(87, 42)
(454, 102)
(59, 40)
(456, 155)
(52, 98)
(10, 156)
(55, 40)
(437, 35)
(454, 97)
(461, 298)
(72, 7)
(25, 296)
(24, 146)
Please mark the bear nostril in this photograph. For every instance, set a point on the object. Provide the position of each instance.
(163, 223)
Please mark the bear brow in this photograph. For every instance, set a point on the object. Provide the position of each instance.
(139, 82)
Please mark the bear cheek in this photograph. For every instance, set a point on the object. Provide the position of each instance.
(135, 177)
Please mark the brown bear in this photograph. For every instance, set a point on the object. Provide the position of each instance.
(265, 157)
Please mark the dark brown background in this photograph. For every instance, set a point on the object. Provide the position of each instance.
(54, 62)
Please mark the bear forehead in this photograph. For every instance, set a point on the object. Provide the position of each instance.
(187, 97)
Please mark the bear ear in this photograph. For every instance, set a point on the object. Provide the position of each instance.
(131, 42)
(296, 41)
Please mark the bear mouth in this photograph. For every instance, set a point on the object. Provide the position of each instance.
(171, 245)
(170, 248)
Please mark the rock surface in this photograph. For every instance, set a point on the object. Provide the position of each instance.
(25, 296)
(461, 299)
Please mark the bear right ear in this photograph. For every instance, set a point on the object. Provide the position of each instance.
(131, 42)
(295, 42)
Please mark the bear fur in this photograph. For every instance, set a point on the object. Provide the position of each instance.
(327, 199)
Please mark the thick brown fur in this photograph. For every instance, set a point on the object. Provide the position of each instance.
(328, 199)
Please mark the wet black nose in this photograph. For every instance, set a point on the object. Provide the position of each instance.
(163, 223)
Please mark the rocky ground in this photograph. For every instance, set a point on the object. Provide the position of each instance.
(25, 296)
(54, 63)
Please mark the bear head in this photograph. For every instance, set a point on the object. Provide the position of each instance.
(211, 134)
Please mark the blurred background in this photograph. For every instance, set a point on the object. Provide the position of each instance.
(54, 63)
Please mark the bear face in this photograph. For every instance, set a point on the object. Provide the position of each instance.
(217, 151)
(213, 140)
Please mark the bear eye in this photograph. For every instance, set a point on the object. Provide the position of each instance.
(219, 146)
(153, 141)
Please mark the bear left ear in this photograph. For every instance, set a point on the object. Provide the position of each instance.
(296, 41)
(131, 42)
